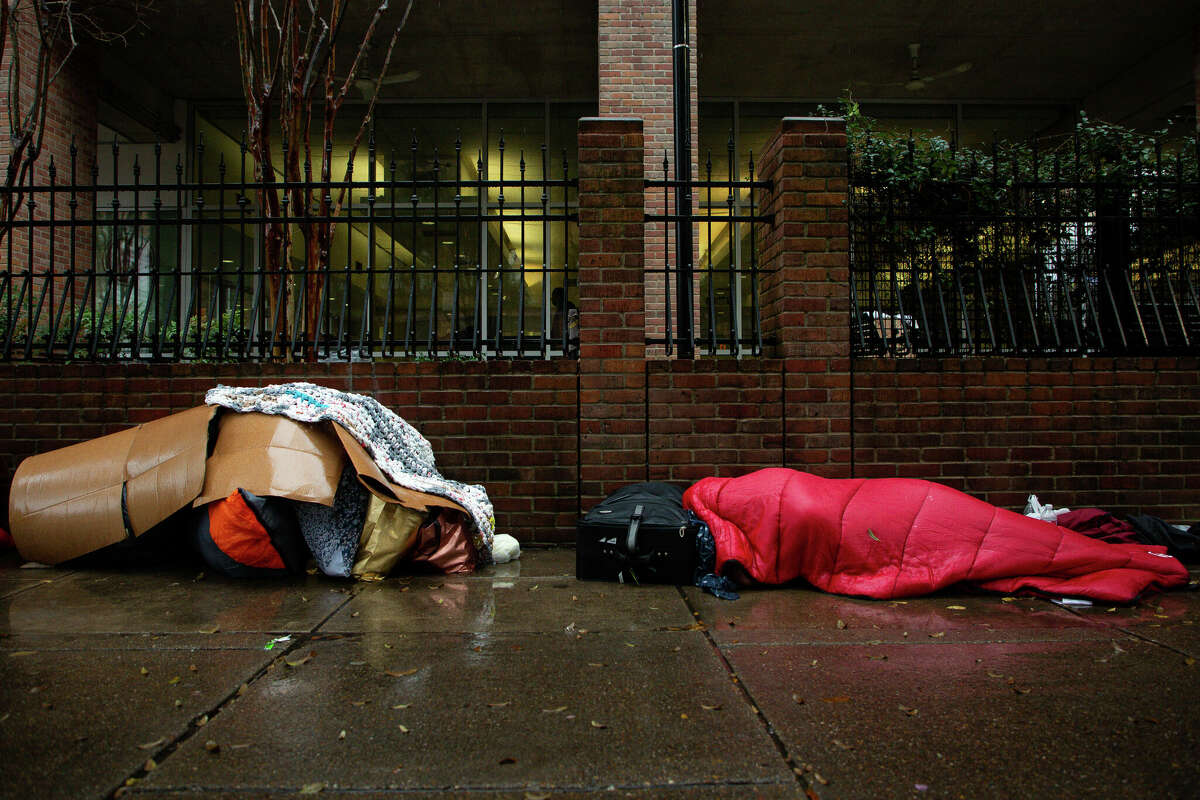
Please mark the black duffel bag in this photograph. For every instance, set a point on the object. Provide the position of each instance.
(638, 534)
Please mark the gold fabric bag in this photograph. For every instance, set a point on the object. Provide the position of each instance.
(388, 534)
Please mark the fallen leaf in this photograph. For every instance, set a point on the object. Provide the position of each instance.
(630, 644)
(243, 689)
(957, 608)
(598, 724)
(174, 681)
(151, 745)
(359, 703)
(799, 700)
(683, 716)
(403, 728)
(557, 710)
(179, 704)
(396, 673)
(213, 629)
(354, 614)
(193, 668)
(843, 745)
(594, 664)
(937, 635)
(341, 734)
(313, 788)
(995, 674)
(17, 653)
(877, 658)
(144, 671)
(150, 765)
(841, 698)
(500, 704)
(399, 706)
(820, 780)
(912, 712)
(299, 661)
(1019, 690)
(1007, 599)
(871, 533)
(1189, 661)
(841, 625)
(535, 796)
(717, 707)
(200, 723)
(212, 747)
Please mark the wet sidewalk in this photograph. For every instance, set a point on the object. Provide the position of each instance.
(521, 682)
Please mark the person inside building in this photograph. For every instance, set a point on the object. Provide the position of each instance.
(564, 308)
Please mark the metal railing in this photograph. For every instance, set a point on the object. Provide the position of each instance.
(1025, 252)
(721, 315)
(430, 255)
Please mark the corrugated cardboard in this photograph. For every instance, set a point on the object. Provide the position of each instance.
(373, 478)
(273, 456)
(75, 500)
(68, 502)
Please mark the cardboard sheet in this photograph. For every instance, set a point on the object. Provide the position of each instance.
(78, 499)
(273, 456)
(68, 502)
(381, 486)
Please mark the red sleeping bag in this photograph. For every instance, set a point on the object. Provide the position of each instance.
(899, 537)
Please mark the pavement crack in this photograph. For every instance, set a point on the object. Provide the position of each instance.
(201, 721)
(794, 767)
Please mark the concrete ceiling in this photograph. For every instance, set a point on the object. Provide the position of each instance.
(1103, 53)
(1131, 61)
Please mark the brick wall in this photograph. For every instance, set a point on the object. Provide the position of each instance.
(636, 80)
(509, 425)
(549, 437)
(611, 308)
(70, 122)
(1121, 434)
(806, 286)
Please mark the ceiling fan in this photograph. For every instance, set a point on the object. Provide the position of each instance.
(916, 81)
(366, 86)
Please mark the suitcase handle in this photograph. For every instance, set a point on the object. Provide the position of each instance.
(631, 537)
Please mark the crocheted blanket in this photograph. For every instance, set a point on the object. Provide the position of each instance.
(401, 452)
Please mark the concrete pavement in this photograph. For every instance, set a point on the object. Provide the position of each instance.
(521, 682)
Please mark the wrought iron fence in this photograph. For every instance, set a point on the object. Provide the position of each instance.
(1030, 249)
(427, 255)
(709, 289)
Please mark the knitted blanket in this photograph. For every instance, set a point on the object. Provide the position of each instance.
(403, 454)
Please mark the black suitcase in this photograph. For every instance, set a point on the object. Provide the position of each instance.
(638, 534)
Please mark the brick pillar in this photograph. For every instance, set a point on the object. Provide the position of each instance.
(636, 80)
(70, 117)
(612, 346)
(806, 289)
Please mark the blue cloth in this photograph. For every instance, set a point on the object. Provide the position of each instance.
(706, 563)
